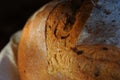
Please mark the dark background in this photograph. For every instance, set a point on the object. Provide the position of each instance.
(14, 14)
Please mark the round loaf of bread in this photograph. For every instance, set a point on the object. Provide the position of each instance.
(48, 49)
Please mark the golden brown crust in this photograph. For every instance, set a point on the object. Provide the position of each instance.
(32, 48)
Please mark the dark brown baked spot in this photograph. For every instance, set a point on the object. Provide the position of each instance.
(104, 48)
(49, 26)
(96, 73)
(55, 32)
(79, 52)
(54, 22)
(62, 12)
(64, 37)
(24, 71)
(79, 66)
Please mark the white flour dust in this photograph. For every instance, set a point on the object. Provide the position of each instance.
(103, 26)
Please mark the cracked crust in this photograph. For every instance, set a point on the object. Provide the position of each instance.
(95, 62)
(48, 49)
(62, 30)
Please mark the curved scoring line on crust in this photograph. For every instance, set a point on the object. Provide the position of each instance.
(47, 21)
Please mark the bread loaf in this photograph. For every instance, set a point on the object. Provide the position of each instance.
(48, 49)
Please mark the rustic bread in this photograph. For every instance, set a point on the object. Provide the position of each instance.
(48, 50)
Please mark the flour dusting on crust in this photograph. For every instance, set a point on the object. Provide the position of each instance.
(103, 26)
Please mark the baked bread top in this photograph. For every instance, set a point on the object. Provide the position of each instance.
(48, 50)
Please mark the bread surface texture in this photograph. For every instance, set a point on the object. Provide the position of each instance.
(48, 50)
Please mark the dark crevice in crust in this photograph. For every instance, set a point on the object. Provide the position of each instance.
(96, 73)
(104, 48)
(55, 31)
(64, 37)
(49, 25)
(79, 52)
(69, 22)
